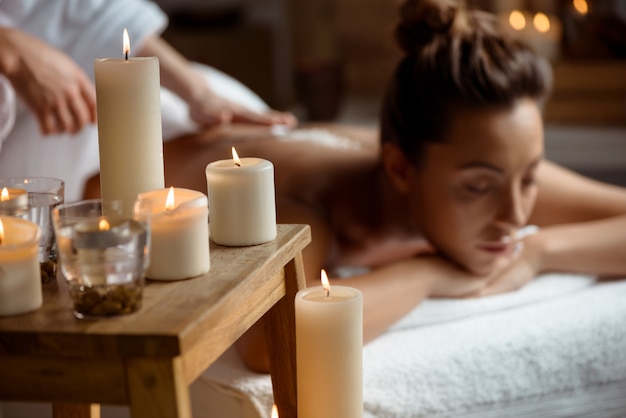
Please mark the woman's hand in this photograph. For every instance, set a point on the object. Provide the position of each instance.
(516, 271)
(511, 273)
(56, 90)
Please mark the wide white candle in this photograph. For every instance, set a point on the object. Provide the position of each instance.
(20, 279)
(179, 240)
(329, 343)
(241, 201)
(129, 127)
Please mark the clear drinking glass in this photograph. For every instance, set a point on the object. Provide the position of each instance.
(43, 194)
(103, 253)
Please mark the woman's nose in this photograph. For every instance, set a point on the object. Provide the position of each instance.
(512, 211)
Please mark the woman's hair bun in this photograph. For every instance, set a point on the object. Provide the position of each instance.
(422, 20)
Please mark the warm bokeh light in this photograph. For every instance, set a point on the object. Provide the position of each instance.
(581, 6)
(236, 157)
(104, 225)
(125, 43)
(541, 22)
(517, 20)
(274, 411)
(4, 196)
(169, 200)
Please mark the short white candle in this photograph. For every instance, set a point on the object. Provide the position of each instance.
(329, 344)
(179, 238)
(129, 127)
(241, 201)
(20, 277)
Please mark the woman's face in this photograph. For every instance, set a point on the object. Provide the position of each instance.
(475, 190)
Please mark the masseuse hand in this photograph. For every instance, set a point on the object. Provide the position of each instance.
(56, 90)
(207, 109)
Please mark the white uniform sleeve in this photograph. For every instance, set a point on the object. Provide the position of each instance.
(7, 108)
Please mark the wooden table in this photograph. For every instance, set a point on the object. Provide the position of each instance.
(148, 359)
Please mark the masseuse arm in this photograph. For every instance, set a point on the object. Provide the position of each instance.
(205, 107)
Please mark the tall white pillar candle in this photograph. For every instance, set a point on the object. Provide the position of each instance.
(20, 277)
(329, 343)
(241, 201)
(179, 237)
(129, 127)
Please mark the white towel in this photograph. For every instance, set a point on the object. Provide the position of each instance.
(560, 334)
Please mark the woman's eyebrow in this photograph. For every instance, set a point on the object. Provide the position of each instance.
(495, 168)
(480, 164)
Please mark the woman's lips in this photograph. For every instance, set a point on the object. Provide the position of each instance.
(498, 247)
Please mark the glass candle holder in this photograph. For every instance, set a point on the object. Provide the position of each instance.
(33, 199)
(103, 253)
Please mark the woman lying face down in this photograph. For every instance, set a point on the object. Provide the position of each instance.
(434, 206)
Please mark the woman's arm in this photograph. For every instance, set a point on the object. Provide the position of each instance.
(389, 292)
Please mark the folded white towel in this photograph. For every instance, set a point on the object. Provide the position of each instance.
(560, 334)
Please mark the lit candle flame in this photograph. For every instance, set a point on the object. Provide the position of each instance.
(1, 231)
(4, 196)
(169, 201)
(236, 157)
(517, 20)
(325, 283)
(274, 411)
(125, 44)
(104, 225)
(581, 6)
(541, 22)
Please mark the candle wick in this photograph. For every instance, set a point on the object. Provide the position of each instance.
(327, 290)
(126, 55)
(237, 164)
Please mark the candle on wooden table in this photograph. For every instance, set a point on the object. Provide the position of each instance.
(129, 126)
(13, 201)
(20, 280)
(179, 241)
(241, 201)
(329, 342)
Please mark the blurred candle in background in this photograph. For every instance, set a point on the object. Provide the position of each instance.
(20, 279)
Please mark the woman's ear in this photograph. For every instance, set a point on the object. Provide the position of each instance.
(397, 166)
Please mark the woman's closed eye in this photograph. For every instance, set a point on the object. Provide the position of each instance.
(478, 187)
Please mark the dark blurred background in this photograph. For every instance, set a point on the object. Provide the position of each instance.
(331, 59)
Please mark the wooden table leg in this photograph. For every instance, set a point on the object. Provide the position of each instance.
(280, 328)
(157, 388)
(70, 410)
